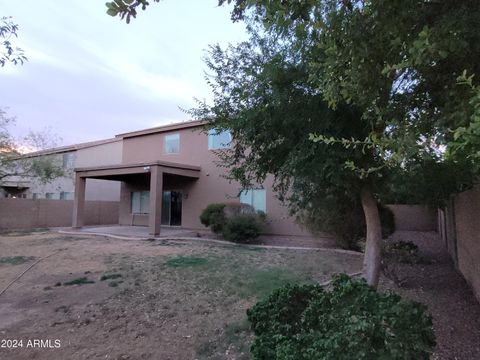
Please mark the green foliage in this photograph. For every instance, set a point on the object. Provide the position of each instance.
(78, 281)
(186, 261)
(395, 253)
(401, 251)
(350, 321)
(126, 9)
(409, 66)
(236, 222)
(15, 260)
(213, 216)
(241, 228)
(9, 52)
(465, 146)
(343, 218)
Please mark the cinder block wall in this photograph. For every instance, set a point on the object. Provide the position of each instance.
(28, 213)
(466, 229)
(414, 218)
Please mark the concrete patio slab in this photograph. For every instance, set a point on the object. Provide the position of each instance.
(133, 232)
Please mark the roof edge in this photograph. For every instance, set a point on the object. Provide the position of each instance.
(164, 128)
(140, 164)
(67, 148)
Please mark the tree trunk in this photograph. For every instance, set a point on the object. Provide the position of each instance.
(373, 246)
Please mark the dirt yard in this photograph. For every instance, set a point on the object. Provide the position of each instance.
(101, 298)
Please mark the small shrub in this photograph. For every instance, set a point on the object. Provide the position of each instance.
(213, 217)
(396, 253)
(241, 228)
(350, 321)
(79, 281)
(233, 209)
(401, 251)
(110, 277)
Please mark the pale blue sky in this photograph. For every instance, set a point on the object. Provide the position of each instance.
(91, 76)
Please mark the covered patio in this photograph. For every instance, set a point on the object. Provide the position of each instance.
(153, 171)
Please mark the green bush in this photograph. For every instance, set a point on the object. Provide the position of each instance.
(401, 251)
(350, 321)
(396, 253)
(241, 228)
(213, 217)
(345, 220)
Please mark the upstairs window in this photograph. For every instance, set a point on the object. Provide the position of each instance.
(257, 198)
(218, 140)
(68, 161)
(140, 202)
(172, 144)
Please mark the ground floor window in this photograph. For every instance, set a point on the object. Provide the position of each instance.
(52, 196)
(140, 202)
(66, 195)
(256, 198)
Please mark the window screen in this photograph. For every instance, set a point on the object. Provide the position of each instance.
(255, 198)
(172, 143)
(219, 140)
(140, 202)
(69, 161)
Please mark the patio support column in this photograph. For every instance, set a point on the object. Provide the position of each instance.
(79, 202)
(156, 195)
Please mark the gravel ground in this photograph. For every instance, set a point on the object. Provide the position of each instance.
(435, 283)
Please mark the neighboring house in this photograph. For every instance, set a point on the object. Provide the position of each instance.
(86, 154)
(167, 175)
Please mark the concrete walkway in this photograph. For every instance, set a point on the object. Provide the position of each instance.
(132, 232)
(127, 232)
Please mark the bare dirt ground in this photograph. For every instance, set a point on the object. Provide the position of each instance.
(141, 299)
(186, 300)
(435, 283)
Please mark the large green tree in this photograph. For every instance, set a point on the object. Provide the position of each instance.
(386, 90)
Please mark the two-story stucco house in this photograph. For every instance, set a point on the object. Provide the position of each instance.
(167, 175)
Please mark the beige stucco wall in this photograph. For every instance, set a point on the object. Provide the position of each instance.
(467, 230)
(28, 213)
(209, 188)
(109, 153)
(103, 154)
